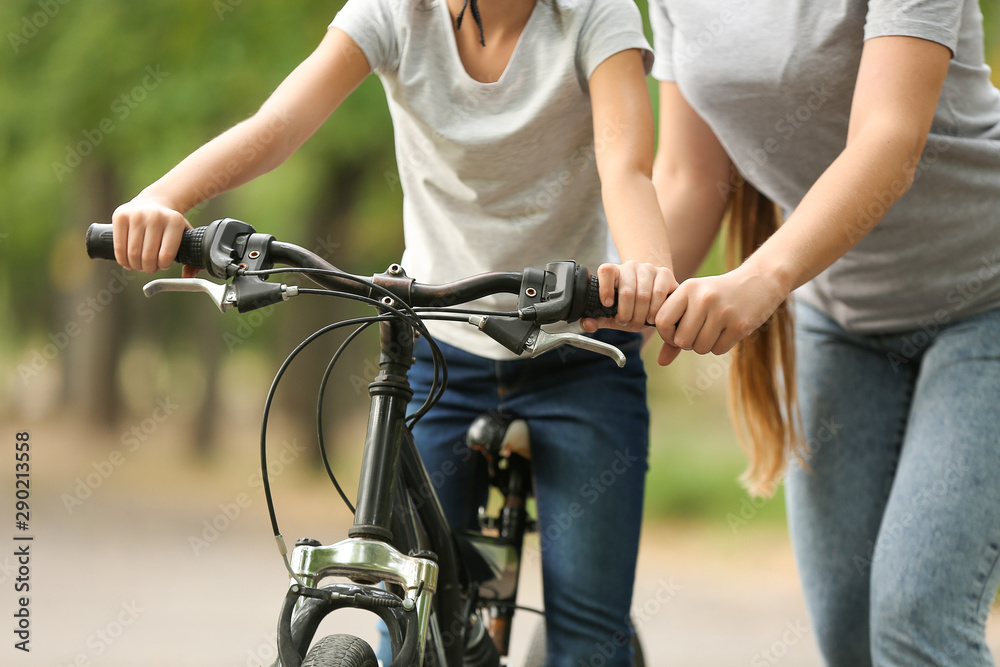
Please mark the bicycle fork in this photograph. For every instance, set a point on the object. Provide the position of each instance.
(365, 557)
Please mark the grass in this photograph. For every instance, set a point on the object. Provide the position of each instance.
(695, 461)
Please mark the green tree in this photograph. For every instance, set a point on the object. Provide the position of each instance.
(97, 100)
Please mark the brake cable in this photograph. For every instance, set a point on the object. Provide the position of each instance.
(436, 390)
(319, 412)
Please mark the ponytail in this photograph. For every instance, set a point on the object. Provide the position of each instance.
(762, 398)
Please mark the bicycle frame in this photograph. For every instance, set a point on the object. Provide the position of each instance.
(431, 573)
(397, 507)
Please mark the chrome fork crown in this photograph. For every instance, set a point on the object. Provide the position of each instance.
(364, 559)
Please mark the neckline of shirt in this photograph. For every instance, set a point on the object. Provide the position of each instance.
(457, 58)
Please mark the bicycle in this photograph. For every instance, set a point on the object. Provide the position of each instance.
(432, 574)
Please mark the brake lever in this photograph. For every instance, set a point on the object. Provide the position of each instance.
(542, 341)
(245, 293)
(222, 295)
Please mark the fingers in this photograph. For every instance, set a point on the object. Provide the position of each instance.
(169, 245)
(689, 328)
(664, 284)
(642, 289)
(136, 238)
(670, 313)
(151, 249)
(727, 340)
(708, 335)
(607, 276)
(627, 286)
(709, 315)
(691, 318)
(592, 324)
(147, 235)
(667, 354)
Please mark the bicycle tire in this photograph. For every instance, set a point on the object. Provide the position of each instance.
(537, 649)
(340, 651)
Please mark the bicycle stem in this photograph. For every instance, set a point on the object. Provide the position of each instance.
(390, 393)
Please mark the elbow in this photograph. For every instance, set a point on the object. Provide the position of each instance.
(675, 178)
(617, 173)
(897, 149)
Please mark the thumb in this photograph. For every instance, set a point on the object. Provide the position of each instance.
(591, 324)
(667, 354)
(189, 271)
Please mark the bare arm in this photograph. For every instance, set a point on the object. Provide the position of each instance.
(899, 82)
(623, 137)
(692, 176)
(148, 229)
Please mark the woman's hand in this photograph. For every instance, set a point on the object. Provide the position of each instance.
(642, 289)
(147, 234)
(714, 313)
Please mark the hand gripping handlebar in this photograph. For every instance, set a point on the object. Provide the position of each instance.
(228, 249)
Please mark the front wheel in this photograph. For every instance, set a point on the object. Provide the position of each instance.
(537, 650)
(340, 651)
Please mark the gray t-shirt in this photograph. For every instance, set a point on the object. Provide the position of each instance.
(774, 80)
(495, 176)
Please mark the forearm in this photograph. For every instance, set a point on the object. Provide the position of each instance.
(238, 155)
(148, 229)
(296, 109)
(693, 179)
(899, 83)
(634, 217)
(692, 210)
(851, 196)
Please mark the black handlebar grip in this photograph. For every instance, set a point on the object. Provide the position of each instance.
(192, 250)
(593, 307)
(101, 245)
(100, 242)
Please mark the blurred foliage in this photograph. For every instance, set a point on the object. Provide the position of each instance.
(100, 98)
(133, 87)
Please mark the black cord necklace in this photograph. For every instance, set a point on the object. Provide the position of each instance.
(475, 16)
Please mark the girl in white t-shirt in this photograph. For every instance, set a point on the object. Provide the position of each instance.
(495, 122)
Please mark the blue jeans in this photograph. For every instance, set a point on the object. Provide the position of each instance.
(589, 429)
(897, 528)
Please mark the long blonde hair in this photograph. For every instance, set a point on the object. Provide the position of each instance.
(762, 392)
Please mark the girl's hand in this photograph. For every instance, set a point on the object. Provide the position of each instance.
(147, 234)
(642, 289)
(714, 313)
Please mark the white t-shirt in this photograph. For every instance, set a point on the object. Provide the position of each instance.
(495, 176)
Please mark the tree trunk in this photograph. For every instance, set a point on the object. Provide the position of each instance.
(208, 328)
(101, 308)
(329, 235)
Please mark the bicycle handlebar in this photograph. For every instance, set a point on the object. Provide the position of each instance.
(101, 245)
(219, 248)
(212, 248)
(230, 249)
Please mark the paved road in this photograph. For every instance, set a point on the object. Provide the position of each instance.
(135, 574)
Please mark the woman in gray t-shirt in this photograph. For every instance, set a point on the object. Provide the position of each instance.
(874, 127)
